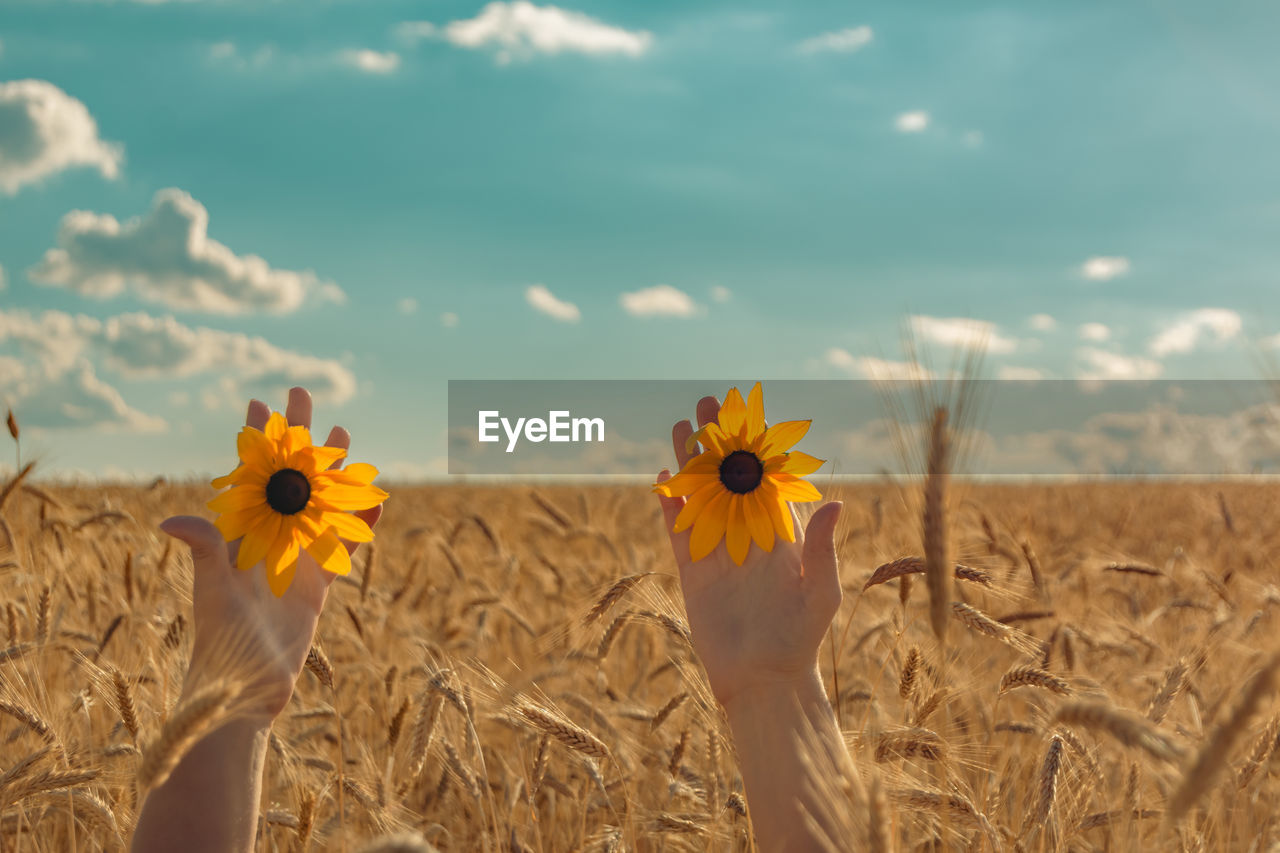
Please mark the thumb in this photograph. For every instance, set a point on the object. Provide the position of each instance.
(821, 575)
(205, 541)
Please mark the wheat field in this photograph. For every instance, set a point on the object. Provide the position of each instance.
(509, 669)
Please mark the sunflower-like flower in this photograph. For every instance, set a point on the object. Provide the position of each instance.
(285, 498)
(739, 488)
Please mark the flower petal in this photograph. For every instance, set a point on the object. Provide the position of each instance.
(755, 414)
(254, 448)
(708, 530)
(737, 535)
(276, 427)
(296, 438)
(233, 525)
(349, 527)
(331, 554)
(362, 472)
(714, 439)
(240, 497)
(256, 543)
(694, 506)
(326, 494)
(779, 512)
(280, 581)
(758, 521)
(283, 551)
(781, 437)
(795, 463)
(792, 488)
(733, 414)
(313, 460)
(684, 484)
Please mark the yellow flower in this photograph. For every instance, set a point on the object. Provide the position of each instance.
(284, 498)
(739, 489)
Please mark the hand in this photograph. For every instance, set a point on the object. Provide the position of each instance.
(759, 624)
(236, 610)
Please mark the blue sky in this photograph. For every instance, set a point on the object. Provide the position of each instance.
(609, 190)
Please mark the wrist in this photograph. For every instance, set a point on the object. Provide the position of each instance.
(771, 693)
(246, 708)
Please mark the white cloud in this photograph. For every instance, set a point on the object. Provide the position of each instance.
(228, 53)
(911, 122)
(521, 29)
(1094, 332)
(1042, 323)
(962, 333)
(60, 355)
(1019, 373)
(143, 346)
(415, 31)
(839, 41)
(449, 320)
(720, 293)
(1100, 364)
(167, 257)
(545, 301)
(1187, 332)
(659, 300)
(867, 367)
(408, 305)
(43, 131)
(1104, 268)
(370, 61)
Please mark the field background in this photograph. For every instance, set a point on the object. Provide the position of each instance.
(1154, 602)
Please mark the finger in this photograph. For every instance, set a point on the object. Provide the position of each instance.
(679, 541)
(257, 415)
(821, 572)
(708, 410)
(338, 437)
(368, 516)
(298, 412)
(680, 435)
(208, 549)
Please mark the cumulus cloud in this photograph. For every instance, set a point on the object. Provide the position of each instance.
(56, 383)
(962, 333)
(521, 29)
(408, 305)
(1024, 374)
(1100, 364)
(167, 257)
(228, 53)
(720, 293)
(866, 367)
(1190, 330)
(43, 131)
(1094, 332)
(839, 41)
(1042, 322)
(661, 300)
(911, 122)
(1104, 268)
(545, 301)
(370, 61)
(415, 31)
(449, 320)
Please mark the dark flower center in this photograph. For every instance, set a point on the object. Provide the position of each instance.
(288, 491)
(741, 472)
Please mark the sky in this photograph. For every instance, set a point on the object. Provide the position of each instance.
(209, 200)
